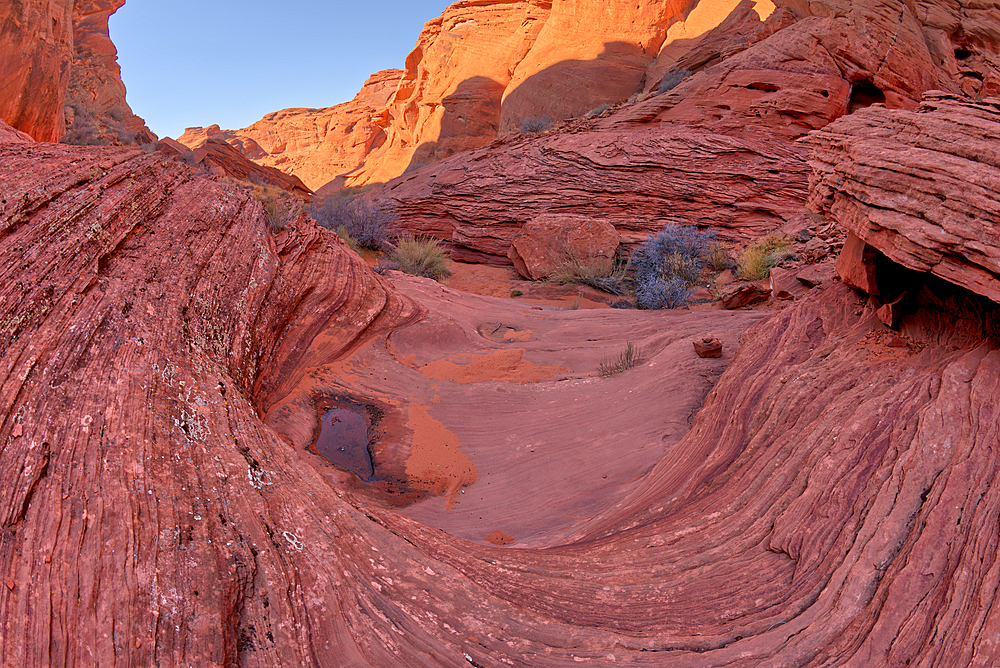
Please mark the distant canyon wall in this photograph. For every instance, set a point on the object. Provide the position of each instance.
(483, 68)
(59, 73)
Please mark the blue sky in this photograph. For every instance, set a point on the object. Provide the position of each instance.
(189, 63)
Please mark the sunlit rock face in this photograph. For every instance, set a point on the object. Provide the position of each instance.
(59, 74)
(36, 50)
(316, 145)
(95, 100)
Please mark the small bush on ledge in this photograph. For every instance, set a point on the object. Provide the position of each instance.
(535, 124)
(756, 261)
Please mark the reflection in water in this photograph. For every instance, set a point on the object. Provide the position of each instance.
(343, 439)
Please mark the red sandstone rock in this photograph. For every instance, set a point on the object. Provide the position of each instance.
(708, 347)
(919, 186)
(315, 145)
(856, 265)
(222, 159)
(9, 135)
(96, 109)
(554, 242)
(816, 274)
(58, 68)
(832, 497)
(36, 48)
(638, 180)
(890, 314)
(743, 293)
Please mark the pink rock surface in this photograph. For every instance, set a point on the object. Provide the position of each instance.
(830, 501)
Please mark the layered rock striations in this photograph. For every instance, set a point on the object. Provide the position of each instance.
(918, 186)
(831, 503)
(637, 180)
(718, 149)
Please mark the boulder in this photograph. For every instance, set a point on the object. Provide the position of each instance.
(556, 242)
(708, 347)
(816, 274)
(743, 293)
(856, 265)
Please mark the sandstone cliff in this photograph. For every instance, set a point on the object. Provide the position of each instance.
(96, 110)
(36, 49)
(59, 72)
(718, 150)
(315, 145)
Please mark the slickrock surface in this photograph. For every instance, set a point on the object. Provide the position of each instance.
(316, 145)
(920, 186)
(832, 502)
(36, 48)
(637, 180)
(96, 92)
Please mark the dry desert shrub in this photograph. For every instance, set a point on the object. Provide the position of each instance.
(756, 261)
(420, 257)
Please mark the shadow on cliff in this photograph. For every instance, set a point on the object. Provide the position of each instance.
(471, 120)
(573, 88)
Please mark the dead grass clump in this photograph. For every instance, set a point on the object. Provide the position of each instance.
(757, 260)
(421, 257)
(628, 358)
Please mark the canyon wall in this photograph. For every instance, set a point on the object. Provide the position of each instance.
(59, 72)
(96, 110)
(36, 50)
(316, 145)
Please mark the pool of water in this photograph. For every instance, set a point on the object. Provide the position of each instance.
(343, 438)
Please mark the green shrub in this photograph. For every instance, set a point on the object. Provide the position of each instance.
(756, 261)
(516, 293)
(421, 257)
(630, 357)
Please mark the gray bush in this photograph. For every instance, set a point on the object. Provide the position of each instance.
(370, 224)
(671, 79)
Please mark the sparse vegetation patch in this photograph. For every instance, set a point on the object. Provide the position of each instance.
(757, 260)
(420, 257)
(628, 358)
(667, 265)
(369, 224)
